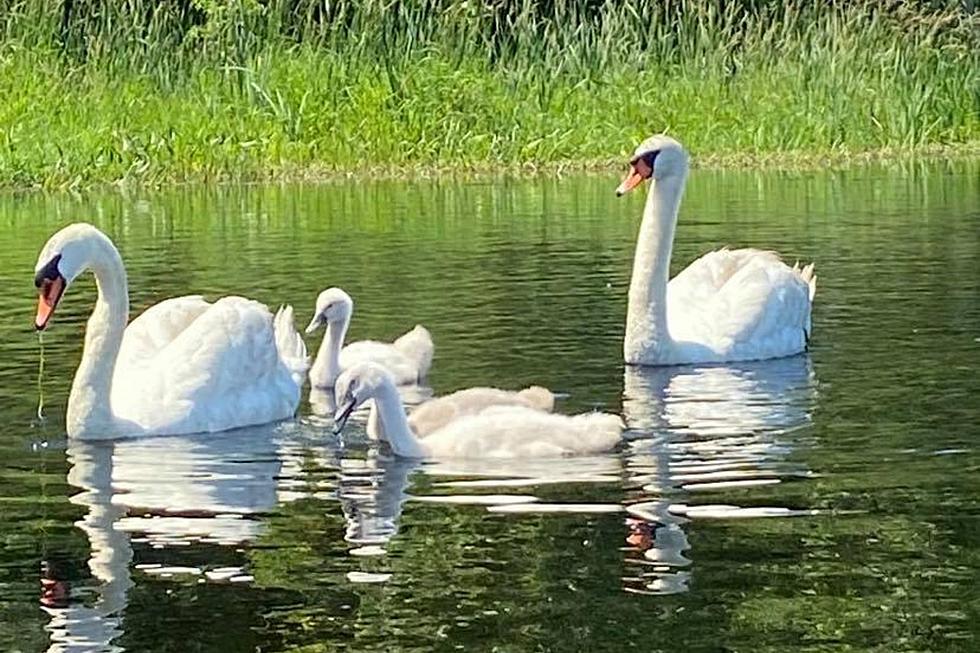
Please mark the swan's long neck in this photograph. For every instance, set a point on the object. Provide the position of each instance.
(394, 422)
(89, 405)
(326, 367)
(647, 336)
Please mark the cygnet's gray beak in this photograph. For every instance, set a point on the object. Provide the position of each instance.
(314, 324)
(342, 415)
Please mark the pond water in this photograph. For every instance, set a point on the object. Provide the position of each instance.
(818, 502)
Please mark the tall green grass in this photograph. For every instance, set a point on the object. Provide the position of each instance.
(188, 90)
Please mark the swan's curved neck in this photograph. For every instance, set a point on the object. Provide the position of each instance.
(89, 404)
(394, 423)
(326, 367)
(647, 336)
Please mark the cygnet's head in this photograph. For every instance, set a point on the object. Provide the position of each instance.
(658, 157)
(333, 306)
(66, 255)
(356, 385)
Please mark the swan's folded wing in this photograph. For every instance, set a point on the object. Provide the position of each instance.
(222, 369)
(156, 327)
(762, 303)
(700, 281)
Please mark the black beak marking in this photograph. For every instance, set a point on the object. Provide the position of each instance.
(340, 422)
(49, 272)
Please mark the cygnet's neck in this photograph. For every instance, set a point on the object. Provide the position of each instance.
(326, 367)
(393, 421)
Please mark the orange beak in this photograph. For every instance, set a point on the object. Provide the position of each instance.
(640, 171)
(632, 181)
(51, 291)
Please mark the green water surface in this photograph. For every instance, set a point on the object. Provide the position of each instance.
(285, 537)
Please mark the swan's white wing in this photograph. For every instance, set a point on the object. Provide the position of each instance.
(157, 327)
(222, 371)
(520, 432)
(402, 368)
(742, 303)
(705, 277)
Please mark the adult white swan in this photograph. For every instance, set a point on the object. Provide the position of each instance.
(183, 366)
(408, 358)
(514, 431)
(729, 305)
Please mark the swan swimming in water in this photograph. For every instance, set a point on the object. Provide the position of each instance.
(408, 358)
(729, 305)
(183, 366)
(515, 431)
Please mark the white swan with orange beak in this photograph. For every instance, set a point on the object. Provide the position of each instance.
(184, 366)
(729, 305)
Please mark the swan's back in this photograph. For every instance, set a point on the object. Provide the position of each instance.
(740, 304)
(156, 327)
(522, 432)
(223, 370)
(437, 413)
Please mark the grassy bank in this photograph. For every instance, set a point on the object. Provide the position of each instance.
(159, 92)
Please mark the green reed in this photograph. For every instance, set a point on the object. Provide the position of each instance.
(198, 90)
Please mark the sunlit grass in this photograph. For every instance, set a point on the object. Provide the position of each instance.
(170, 92)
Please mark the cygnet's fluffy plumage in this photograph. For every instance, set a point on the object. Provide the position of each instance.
(437, 413)
(509, 431)
(408, 358)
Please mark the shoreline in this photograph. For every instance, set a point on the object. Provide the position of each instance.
(791, 161)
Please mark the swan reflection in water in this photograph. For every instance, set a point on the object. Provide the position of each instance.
(163, 492)
(709, 429)
(372, 491)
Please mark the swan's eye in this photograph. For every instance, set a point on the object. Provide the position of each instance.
(643, 163)
(650, 157)
(48, 273)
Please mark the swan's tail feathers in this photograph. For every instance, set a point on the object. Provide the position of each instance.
(809, 277)
(292, 349)
(417, 345)
(538, 398)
